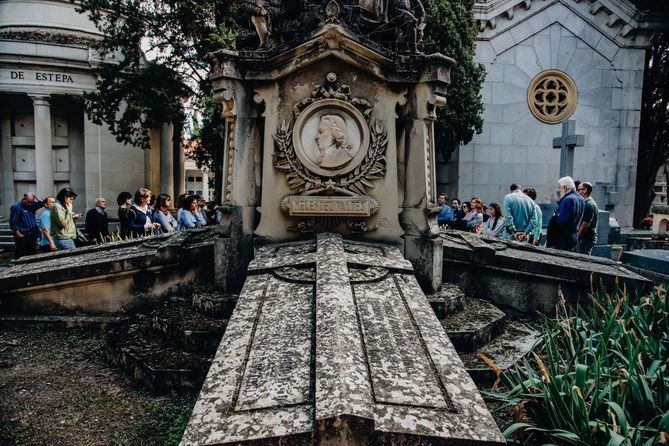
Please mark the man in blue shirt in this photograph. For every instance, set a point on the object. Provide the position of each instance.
(446, 215)
(519, 215)
(563, 227)
(44, 223)
(23, 224)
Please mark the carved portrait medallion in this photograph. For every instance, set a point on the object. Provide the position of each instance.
(331, 137)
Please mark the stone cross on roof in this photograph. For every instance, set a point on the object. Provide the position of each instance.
(566, 144)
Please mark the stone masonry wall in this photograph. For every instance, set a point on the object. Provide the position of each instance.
(515, 146)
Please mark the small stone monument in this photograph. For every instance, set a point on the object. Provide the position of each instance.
(660, 222)
(331, 130)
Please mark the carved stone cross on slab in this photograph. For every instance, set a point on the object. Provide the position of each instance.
(566, 144)
(333, 342)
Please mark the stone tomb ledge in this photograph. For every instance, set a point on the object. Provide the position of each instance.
(102, 279)
(333, 342)
(527, 277)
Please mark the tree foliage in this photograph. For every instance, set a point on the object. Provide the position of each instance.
(136, 93)
(452, 31)
(654, 131)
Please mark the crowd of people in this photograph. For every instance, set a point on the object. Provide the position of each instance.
(572, 227)
(50, 224)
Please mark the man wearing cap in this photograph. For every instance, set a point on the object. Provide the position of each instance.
(23, 224)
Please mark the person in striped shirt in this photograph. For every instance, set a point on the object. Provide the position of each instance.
(23, 223)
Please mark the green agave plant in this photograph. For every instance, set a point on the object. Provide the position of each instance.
(600, 377)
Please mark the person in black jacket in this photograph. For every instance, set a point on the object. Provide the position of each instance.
(97, 222)
(124, 201)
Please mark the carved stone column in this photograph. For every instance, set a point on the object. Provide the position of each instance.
(241, 144)
(422, 245)
(43, 148)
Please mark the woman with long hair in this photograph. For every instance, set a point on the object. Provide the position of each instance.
(163, 215)
(495, 224)
(474, 218)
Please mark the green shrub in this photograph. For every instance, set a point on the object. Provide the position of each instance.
(600, 377)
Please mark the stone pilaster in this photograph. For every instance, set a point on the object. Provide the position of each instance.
(179, 169)
(43, 148)
(166, 160)
(240, 150)
(422, 247)
(6, 164)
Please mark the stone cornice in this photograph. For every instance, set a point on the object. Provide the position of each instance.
(51, 37)
(618, 19)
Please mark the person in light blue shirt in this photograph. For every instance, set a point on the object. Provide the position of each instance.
(187, 217)
(519, 215)
(535, 237)
(446, 215)
(46, 243)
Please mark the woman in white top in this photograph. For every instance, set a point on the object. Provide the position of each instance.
(493, 227)
(163, 215)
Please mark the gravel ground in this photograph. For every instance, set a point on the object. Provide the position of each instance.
(57, 389)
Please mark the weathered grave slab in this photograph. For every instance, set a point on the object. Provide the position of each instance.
(103, 279)
(333, 342)
(656, 260)
(527, 277)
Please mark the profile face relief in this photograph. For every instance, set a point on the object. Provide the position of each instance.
(331, 140)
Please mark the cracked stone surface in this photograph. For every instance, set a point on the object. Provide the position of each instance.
(349, 352)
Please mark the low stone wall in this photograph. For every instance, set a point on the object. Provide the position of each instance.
(107, 279)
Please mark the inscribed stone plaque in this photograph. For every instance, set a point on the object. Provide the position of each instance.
(278, 367)
(401, 369)
(304, 206)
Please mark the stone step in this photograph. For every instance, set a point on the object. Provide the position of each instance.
(188, 329)
(207, 300)
(6, 237)
(517, 342)
(96, 322)
(153, 361)
(7, 246)
(475, 325)
(447, 301)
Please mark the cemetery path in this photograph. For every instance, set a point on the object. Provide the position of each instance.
(57, 389)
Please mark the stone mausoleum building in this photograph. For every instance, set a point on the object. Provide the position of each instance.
(46, 140)
(547, 61)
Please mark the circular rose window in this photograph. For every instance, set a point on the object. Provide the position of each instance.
(552, 96)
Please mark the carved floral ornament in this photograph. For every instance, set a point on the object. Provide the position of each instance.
(333, 151)
(552, 96)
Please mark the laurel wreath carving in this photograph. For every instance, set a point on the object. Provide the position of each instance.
(354, 183)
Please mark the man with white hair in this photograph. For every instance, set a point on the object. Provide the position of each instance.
(97, 222)
(23, 223)
(563, 226)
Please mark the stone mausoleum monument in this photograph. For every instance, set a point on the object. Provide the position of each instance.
(329, 166)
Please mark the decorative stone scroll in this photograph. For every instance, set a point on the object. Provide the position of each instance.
(333, 342)
(552, 96)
